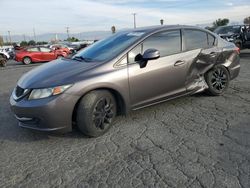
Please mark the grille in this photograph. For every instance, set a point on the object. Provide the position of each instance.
(19, 91)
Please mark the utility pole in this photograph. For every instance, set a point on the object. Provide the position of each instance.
(6, 39)
(67, 29)
(34, 32)
(134, 14)
(24, 37)
(9, 37)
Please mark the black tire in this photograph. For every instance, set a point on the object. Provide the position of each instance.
(96, 112)
(217, 79)
(27, 60)
(3, 62)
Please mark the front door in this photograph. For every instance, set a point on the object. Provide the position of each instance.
(161, 78)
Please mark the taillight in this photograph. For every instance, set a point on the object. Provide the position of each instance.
(237, 50)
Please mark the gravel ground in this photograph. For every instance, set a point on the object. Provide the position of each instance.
(195, 141)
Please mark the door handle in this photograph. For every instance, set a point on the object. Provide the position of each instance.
(178, 63)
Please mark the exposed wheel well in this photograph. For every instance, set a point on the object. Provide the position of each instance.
(121, 106)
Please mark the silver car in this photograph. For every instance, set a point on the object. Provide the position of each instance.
(126, 71)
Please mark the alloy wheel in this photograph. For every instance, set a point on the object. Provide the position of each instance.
(219, 79)
(103, 113)
(27, 60)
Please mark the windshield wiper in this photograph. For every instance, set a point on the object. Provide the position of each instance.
(80, 58)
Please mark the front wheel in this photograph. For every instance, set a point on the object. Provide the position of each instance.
(3, 62)
(96, 112)
(217, 80)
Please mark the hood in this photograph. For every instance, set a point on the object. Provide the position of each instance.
(55, 73)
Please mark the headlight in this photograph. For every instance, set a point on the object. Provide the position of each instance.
(47, 92)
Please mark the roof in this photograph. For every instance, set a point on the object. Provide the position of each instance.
(151, 29)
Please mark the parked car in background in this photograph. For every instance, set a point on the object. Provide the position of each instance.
(237, 34)
(62, 47)
(11, 52)
(4, 54)
(38, 54)
(126, 71)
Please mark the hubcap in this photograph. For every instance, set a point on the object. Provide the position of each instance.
(103, 113)
(27, 60)
(219, 79)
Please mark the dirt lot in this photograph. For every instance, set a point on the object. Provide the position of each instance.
(196, 141)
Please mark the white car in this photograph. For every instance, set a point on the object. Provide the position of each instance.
(4, 54)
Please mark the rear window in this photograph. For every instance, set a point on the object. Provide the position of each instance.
(195, 39)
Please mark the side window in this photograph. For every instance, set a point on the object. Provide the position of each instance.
(122, 62)
(167, 43)
(195, 39)
(32, 50)
(134, 54)
(45, 49)
(211, 40)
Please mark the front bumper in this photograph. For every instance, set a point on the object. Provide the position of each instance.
(48, 114)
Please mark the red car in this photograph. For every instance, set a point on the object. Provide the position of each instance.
(38, 54)
(61, 47)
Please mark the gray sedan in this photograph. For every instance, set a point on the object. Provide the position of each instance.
(126, 71)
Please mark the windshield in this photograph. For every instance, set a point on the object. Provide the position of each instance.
(108, 48)
(227, 30)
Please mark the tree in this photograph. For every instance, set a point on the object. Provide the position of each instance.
(247, 20)
(220, 22)
(41, 43)
(23, 43)
(72, 39)
(31, 43)
(113, 29)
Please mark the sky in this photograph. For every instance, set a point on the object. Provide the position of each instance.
(53, 16)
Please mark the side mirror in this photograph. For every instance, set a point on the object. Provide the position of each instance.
(151, 54)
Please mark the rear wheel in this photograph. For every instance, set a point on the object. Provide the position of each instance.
(217, 80)
(27, 60)
(96, 112)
